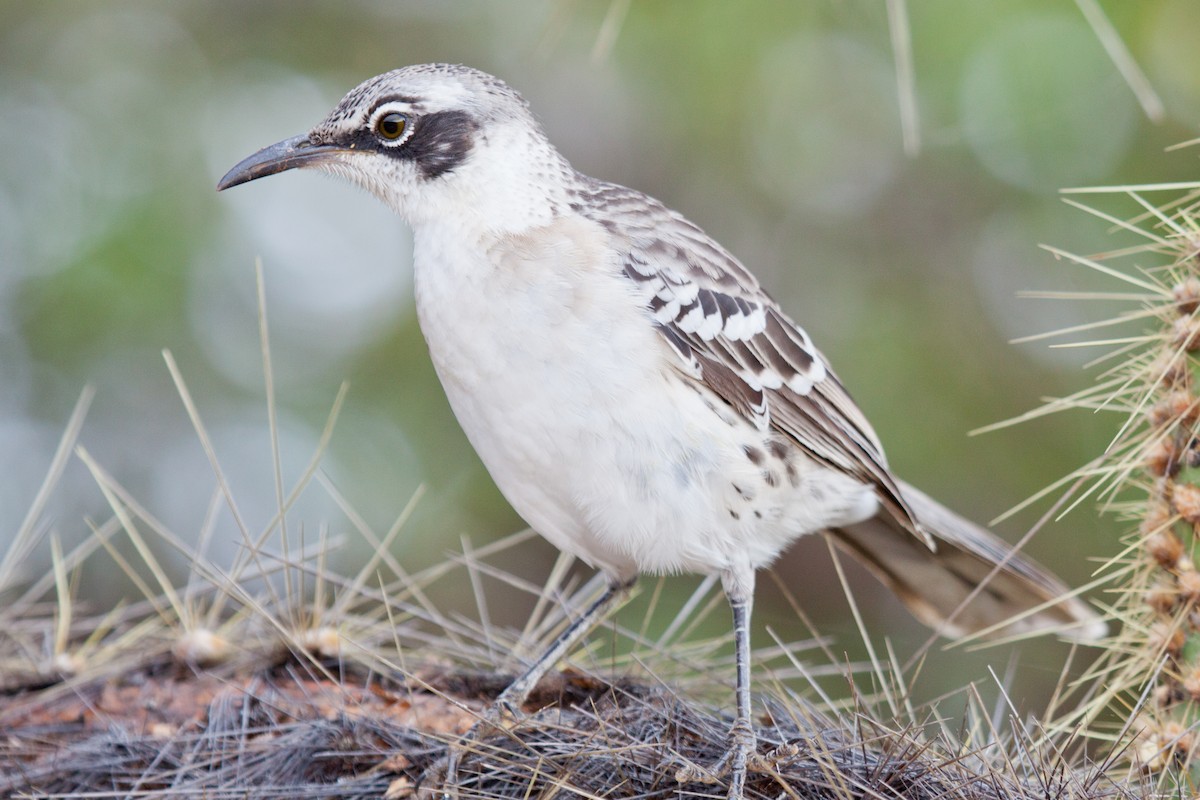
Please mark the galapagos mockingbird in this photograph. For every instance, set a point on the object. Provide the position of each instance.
(635, 394)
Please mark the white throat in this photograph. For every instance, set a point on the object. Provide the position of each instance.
(513, 181)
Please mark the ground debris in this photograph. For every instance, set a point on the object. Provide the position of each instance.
(298, 732)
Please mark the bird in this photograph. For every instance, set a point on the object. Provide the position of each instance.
(636, 395)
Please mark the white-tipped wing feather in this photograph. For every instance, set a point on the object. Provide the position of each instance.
(733, 338)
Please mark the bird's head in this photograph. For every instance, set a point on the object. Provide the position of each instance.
(428, 140)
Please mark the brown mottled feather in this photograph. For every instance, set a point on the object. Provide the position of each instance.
(773, 370)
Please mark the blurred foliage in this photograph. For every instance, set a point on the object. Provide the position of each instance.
(773, 125)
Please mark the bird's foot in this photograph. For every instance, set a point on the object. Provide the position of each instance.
(440, 779)
(741, 759)
(734, 763)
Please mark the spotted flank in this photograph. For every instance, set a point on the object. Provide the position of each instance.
(733, 339)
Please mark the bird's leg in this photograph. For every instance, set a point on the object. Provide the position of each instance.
(741, 736)
(507, 708)
(739, 590)
(512, 698)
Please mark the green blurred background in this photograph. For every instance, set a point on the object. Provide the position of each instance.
(776, 126)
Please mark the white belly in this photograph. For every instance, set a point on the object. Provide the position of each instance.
(567, 392)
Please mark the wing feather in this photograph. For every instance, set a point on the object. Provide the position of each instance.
(734, 339)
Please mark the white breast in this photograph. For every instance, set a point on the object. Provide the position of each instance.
(562, 385)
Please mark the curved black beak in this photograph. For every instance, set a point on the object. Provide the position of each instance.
(295, 152)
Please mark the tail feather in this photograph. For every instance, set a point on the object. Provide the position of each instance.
(935, 585)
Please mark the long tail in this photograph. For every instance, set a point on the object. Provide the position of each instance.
(935, 585)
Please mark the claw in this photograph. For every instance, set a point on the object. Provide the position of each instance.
(440, 780)
(505, 714)
(691, 773)
(740, 760)
(770, 761)
(736, 762)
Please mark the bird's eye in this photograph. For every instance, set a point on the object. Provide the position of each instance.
(391, 126)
